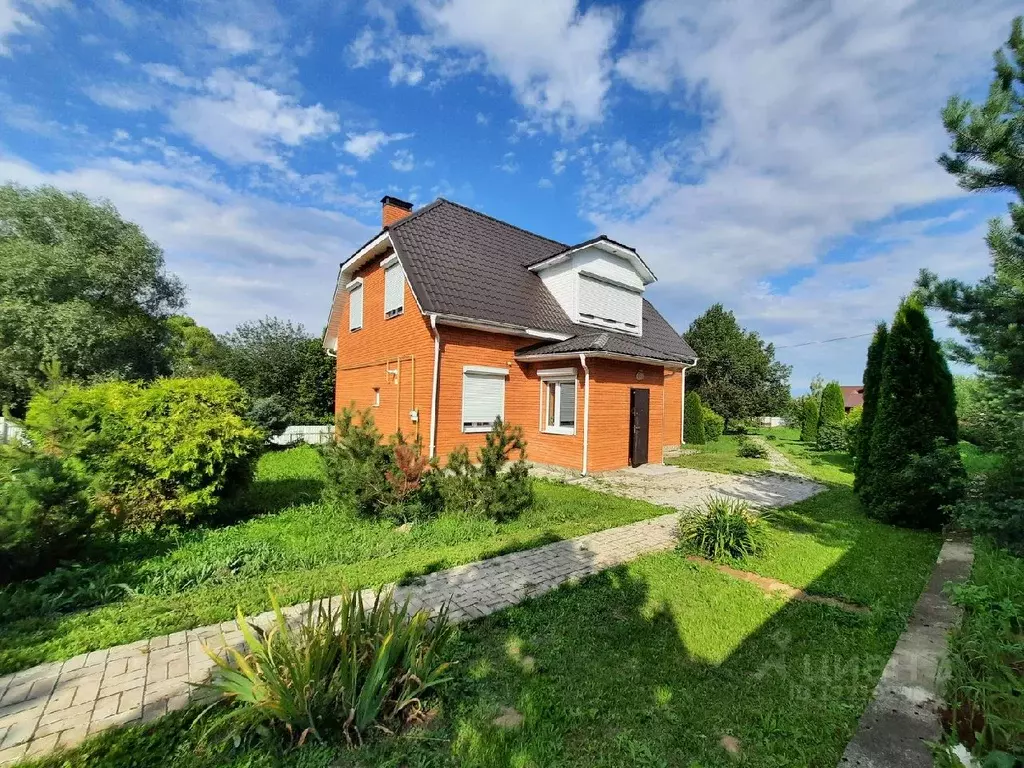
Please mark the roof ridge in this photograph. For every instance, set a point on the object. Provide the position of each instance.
(495, 219)
(415, 214)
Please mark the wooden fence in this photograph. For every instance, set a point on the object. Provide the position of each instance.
(313, 434)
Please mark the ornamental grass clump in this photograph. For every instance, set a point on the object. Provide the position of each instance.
(337, 673)
(722, 529)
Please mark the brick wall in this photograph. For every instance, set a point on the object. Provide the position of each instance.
(403, 344)
(610, 382)
(673, 393)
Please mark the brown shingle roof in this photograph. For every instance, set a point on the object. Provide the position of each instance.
(853, 396)
(464, 263)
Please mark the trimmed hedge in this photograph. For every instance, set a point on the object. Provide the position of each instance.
(831, 436)
(714, 425)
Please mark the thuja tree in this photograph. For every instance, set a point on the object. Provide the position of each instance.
(872, 382)
(830, 419)
(916, 469)
(809, 425)
(693, 420)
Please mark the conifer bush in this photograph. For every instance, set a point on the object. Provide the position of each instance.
(872, 383)
(916, 474)
(831, 436)
(693, 420)
(809, 422)
(714, 425)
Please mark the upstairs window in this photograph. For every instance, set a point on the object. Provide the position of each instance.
(608, 304)
(355, 305)
(558, 403)
(483, 397)
(394, 287)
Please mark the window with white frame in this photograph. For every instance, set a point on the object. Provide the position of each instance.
(558, 401)
(394, 286)
(483, 397)
(355, 305)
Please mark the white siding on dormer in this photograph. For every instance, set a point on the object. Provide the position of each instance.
(616, 302)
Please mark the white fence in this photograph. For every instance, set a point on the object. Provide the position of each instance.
(313, 434)
(771, 421)
(9, 431)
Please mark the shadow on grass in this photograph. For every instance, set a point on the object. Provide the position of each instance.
(415, 575)
(659, 663)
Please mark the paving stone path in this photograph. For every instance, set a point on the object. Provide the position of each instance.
(59, 704)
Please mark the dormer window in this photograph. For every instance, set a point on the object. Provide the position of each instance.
(609, 304)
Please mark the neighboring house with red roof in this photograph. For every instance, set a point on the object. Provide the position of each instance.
(448, 318)
(853, 396)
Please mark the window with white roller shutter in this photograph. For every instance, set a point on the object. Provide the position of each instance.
(608, 305)
(394, 290)
(355, 305)
(483, 397)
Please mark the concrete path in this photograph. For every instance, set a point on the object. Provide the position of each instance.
(59, 704)
(903, 713)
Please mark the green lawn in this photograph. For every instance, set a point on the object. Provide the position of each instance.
(719, 456)
(300, 547)
(649, 664)
(976, 459)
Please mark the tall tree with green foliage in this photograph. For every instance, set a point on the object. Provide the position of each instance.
(736, 374)
(192, 349)
(831, 436)
(916, 469)
(693, 420)
(275, 358)
(987, 154)
(81, 285)
(809, 419)
(872, 384)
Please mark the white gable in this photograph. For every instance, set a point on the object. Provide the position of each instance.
(598, 288)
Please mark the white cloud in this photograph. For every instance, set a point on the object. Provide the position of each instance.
(545, 183)
(241, 256)
(171, 75)
(555, 56)
(508, 163)
(482, 119)
(816, 120)
(403, 160)
(18, 17)
(365, 145)
(558, 160)
(232, 39)
(244, 122)
(125, 98)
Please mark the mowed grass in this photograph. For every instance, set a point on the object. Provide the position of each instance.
(719, 456)
(648, 664)
(300, 548)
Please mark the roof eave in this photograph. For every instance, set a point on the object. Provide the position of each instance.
(607, 245)
(600, 354)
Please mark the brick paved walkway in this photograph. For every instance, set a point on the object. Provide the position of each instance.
(59, 704)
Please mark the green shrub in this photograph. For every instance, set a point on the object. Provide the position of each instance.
(985, 670)
(749, 449)
(851, 429)
(376, 479)
(164, 454)
(809, 421)
(994, 503)
(872, 387)
(45, 515)
(693, 420)
(916, 472)
(345, 670)
(270, 414)
(831, 436)
(714, 425)
(64, 589)
(490, 487)
(723, 528)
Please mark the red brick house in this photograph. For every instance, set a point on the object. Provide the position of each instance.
(853, 396)
(448, 318)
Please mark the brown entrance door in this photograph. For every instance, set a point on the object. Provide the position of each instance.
(639, 425)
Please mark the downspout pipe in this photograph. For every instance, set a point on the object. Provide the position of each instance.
(434, 386)
(586, 410)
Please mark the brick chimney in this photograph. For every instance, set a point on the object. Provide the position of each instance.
(393, 209)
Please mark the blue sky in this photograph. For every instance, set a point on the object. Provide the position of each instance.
(778, 157)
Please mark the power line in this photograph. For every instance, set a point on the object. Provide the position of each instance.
(940, 322)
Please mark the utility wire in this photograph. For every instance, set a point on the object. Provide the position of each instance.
(940, 322)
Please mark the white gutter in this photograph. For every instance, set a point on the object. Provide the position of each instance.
(682, 403)
(586, 409)
(433, 392)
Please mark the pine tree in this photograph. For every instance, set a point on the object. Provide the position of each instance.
(693, 420)
(916, 469)
(830, 419)
(809, 429)
(872, 382)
